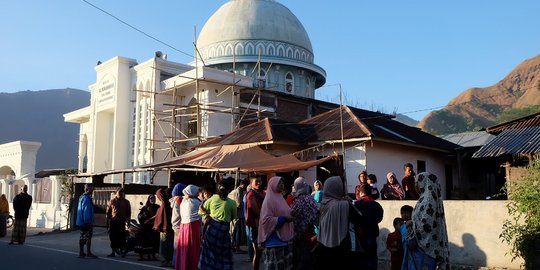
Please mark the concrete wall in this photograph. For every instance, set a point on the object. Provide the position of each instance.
(473, 228)
(473, 232)
(49, 215)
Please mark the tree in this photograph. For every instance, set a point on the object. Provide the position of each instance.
(522, 229)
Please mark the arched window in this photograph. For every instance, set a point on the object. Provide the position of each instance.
(271, 51)
(229, 50)
(260, 49)
(239, 49)
(249, 49)
(289, 83)
(220, 51)
(281, 52)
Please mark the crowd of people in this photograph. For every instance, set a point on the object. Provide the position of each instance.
(296, 227)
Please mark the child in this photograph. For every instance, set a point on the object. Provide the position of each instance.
(393, 244)
(206, 192)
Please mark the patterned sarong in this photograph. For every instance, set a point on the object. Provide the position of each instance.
(86, 233)
(216, 250)
(166, 245)
(278, 257)
(19, 230)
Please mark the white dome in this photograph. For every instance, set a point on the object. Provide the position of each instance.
(249, 31)
(263, 20)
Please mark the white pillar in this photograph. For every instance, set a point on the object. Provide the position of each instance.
(83, 142)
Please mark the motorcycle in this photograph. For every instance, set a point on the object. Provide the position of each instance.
(132, 237)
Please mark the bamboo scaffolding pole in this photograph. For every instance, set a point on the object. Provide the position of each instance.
(173, 129)
(232, 91)
(197, 96)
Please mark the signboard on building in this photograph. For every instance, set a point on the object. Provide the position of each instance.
(106, 90)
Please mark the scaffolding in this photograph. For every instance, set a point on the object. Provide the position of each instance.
(179, 123)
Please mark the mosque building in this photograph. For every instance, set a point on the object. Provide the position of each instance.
(255, 61)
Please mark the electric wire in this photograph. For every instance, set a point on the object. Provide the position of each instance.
(136, 29)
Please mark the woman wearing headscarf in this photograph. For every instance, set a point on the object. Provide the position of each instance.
(4, 213)
(425, 239)
(276, 228)
(162, 224)
(333, 239)
(306, 213)
(362, 180)
(216, 252)
(317, 192)
(175, 201)
(392, 190)
(189, 237)
(149, 244)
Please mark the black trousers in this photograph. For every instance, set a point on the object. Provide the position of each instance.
(117, 234)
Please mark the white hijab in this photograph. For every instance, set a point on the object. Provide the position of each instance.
(334, 219)
(189, 207)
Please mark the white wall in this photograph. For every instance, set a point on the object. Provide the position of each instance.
(383, 157)
(49, 215)
(356, 162)
(473, 232)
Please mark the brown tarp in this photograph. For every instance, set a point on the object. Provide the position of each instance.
(231, 156)
(284, 164)
(239, 157)
(177, 161)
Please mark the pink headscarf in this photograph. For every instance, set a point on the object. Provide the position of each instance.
(396, 187)
(274, 205)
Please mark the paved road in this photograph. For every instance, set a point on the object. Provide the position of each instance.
(45, 249)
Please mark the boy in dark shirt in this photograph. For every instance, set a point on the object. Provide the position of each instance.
(393, 244)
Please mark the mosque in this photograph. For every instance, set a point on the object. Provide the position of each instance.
(255, 60)
(255, 67)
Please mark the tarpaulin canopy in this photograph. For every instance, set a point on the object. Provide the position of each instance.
(177, 161)
(285, 163)
(238, 157)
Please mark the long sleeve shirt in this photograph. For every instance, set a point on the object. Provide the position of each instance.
(85, 211)
(119, 209)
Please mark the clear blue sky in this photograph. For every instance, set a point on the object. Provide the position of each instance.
(399, 56)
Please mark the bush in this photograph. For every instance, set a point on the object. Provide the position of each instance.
(522, 230)
(515, 113)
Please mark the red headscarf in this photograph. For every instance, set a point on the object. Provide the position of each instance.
(162, 222)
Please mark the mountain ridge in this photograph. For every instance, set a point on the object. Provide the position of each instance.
(38, 116)
(479, 107)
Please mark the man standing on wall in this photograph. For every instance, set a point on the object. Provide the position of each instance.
(118, 214)
(408, 183)
(21, 205)
(85, 221)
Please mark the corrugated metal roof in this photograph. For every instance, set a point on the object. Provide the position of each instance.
(469, 139)
(512, 142)
(327, 125)
(263, 131)
(532, 120)
(357, 124)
